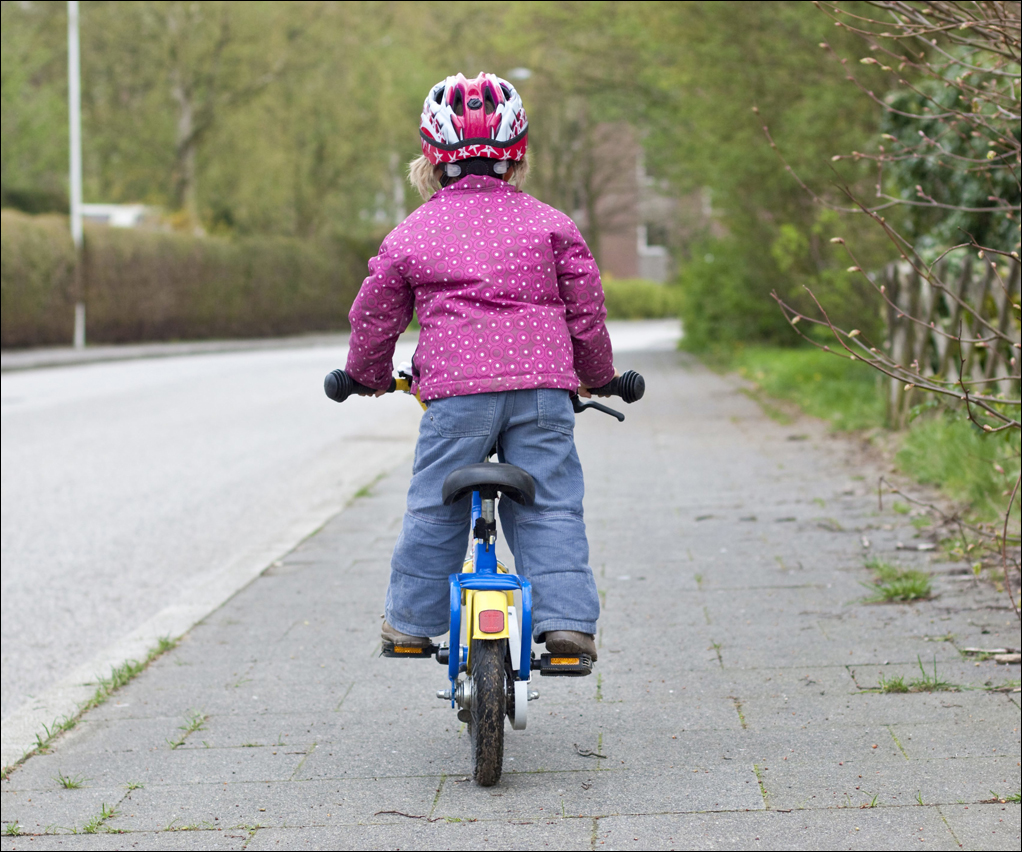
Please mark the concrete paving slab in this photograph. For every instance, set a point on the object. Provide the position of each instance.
(164, 766)
(200, 841)
(391, 753)
(826, 785)
(294, 804)
(993, 826)
(676, 703)
(94, 736)
(57, 810)
(879, 828)
(864, 709)
(783, 681)
(443, 835)
(964, 739)
(954, 675)
(182, 698)
(838, 744)
(646, 789)
(274, 731)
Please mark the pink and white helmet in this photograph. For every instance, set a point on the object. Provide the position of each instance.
(483, 117)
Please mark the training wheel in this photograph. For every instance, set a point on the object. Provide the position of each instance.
(521, 706)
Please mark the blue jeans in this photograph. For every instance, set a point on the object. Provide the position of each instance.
(548, 539)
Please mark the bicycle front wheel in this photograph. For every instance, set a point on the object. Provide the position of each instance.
(489, 706)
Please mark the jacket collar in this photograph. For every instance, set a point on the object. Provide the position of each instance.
(479, 183)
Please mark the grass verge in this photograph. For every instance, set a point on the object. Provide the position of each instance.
(842, 392)
(119, 676)
(967, 464)
(943, 448)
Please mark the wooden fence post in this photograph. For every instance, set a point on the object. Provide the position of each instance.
(931, 332)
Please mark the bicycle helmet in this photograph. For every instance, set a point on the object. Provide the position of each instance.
(466, 119)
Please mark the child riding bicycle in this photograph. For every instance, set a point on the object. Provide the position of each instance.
(512, 314)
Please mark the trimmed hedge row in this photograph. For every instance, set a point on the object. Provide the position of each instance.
(151, 285)
(634, 298)
(37, 261)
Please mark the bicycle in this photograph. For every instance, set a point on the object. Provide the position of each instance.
(489, 654)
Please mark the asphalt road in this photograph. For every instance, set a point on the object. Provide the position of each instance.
(126, 486)
(125, 483)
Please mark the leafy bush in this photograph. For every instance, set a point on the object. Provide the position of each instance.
(727, 300)
(36, 273)
(635, 298)
(723, 301)
(149, 285)
(962, 192)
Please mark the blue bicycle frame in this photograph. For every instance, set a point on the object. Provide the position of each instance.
(485, 577)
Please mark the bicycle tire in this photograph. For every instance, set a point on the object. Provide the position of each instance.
(489, 706)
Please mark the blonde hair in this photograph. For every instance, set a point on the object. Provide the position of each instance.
(425, 177)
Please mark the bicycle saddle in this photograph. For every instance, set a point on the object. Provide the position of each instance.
(488, 478)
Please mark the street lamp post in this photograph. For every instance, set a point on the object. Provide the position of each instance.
(74, 93)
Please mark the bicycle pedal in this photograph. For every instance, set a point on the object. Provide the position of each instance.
(564, 665)
(392, 650)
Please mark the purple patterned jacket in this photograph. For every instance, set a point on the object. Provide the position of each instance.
(505, 289)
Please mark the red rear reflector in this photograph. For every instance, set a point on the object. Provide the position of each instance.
(491, 620)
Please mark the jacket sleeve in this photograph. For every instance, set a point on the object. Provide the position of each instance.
(381, 311)
(578, 280)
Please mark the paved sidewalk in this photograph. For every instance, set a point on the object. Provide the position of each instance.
(729, 710)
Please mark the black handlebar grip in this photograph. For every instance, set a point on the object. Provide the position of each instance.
(630, 387)
(338, 385)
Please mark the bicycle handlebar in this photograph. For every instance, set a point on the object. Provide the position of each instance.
(630, 387)
(338, 385)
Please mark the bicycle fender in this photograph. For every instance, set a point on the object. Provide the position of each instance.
(488, 600)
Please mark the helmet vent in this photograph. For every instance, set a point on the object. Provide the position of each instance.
(458, 104)
(488, 100)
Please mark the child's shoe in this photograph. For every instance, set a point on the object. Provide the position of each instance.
(396, 637)
(570, 642)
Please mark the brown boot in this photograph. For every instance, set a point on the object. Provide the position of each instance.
(396, 637)
(570, 642)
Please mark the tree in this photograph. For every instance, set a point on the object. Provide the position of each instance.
(34, 130)
(179, 68)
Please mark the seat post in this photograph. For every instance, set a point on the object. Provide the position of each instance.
(484, 533)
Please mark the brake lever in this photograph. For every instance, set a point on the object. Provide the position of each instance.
(579, 407)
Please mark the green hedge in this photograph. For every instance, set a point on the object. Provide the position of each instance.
(36, 275)
(635, 298)
(152, 285)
